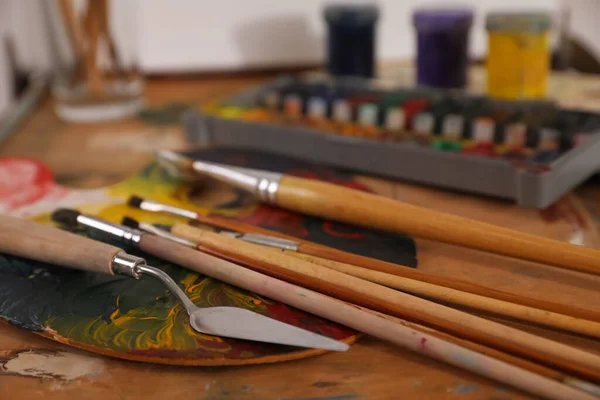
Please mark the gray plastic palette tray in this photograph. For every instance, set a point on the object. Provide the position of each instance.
(527, 184)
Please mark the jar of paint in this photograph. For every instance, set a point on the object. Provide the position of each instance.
(351, 39)
(518, 61)
(442, 47)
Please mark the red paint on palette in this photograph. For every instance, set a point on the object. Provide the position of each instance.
(25, 181)
(271, 217)
(333, 229)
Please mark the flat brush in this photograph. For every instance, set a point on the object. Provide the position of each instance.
(338, 203)
(435, 286)
(394, 330)
(55, 246)
(388, 301)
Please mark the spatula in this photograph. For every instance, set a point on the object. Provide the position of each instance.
(28, 239)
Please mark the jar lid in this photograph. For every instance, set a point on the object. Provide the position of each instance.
(518, 22)
(351, 14)
(442, 18)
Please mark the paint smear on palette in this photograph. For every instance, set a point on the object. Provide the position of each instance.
(141, 320)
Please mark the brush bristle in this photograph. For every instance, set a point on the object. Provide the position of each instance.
(66, 217)
(130, 222)
(175, 164)
(135, 201)
(166, 228)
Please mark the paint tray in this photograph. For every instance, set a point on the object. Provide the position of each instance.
(528, 182)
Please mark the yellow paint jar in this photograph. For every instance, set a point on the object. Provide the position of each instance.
(518, 61)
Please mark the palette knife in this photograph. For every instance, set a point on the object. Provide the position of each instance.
(28, 239)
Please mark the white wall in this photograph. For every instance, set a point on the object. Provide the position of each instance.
(191, 35)
(6, 88)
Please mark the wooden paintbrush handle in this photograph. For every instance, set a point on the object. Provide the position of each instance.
(28, 239)
(473, 301)
(358, 318)
(390, 301)
(330, 253)
(351, 206)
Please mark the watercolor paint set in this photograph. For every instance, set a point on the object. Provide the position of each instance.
(531, 152)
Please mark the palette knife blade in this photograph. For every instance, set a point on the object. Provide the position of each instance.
(244, 324)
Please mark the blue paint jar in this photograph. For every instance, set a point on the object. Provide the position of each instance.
(442, 47)
(351, 39)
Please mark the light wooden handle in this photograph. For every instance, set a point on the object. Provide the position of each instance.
(453, 296)
(28, 239)
(324, 252)
(351, 206)
(360, 319)
(399, 304)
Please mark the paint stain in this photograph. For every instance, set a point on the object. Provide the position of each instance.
(325, 384)
(564, 209)
(340, 397)
(464, 389)
(60, 365)
(423, 343)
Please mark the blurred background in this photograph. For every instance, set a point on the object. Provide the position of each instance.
(189, 36)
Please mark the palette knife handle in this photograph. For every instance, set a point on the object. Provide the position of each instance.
(32, 240)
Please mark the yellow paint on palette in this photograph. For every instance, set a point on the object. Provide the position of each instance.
(168, 328)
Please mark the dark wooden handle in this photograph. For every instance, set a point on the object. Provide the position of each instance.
(28, 239)
(365, 209)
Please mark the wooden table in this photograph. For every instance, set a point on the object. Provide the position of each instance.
(99, 155)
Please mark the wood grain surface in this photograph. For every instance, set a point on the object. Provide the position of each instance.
(97, 155)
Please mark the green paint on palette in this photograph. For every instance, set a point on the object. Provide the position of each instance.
(447, 145)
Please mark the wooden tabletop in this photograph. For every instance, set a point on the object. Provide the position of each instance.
(96, 155)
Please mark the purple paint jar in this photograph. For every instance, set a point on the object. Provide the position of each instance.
(442, 47)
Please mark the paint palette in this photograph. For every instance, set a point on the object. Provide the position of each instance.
(530, 152)
(139, 320)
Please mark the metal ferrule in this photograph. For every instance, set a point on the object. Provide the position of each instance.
(166, 235)
(262, 184)
(126, 264)
(104, 229)
(154, 206)
(264, 240)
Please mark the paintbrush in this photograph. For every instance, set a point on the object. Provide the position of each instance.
(383, 299)
(92, 23)
(258, 235)
(338, 203)
(421, 289)
(75, 34)
(28, 239)
(399, 332)
(163, 231)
